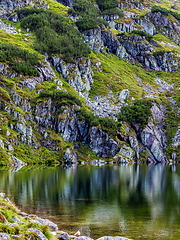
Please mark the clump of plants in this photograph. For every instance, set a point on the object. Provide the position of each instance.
(139, 112)
(113, 11)
(165, 11)
(159, 53)
(21, 60)
(142, 33)
(56, 35)
(90, 13)
(108, 125)
(63, 98)
(106, 4)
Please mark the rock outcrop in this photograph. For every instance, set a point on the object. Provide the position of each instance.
(133, 47)
(7, 6)
(79, 75)
(166, 25)
(99, 38)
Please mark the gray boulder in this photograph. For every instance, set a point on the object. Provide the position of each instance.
(63, 236)
(15, 219)
(39, 234)
(4, 236)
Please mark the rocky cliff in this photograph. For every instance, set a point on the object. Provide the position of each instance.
(61, 114)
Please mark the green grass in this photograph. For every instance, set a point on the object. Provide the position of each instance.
(57, 7)
(9, 210)
(118, 74)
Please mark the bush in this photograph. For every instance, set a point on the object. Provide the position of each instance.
(159, 9)
(63, 98)
(55, 34)
(110, 126)
(142, 33)
(26, 60)
(84, 8)
(121, 34)
(158, 53)
(106, 4)
(113, 11)
(101, 21)
(139, 112)
(86, 23)
(165, 11)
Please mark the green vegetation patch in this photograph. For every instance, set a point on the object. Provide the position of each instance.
(22, 61)
(56, 35)
(86, 23)
(113, 11)
(4, 157)
(139, 112)
(8, 211)
(63, 98)
(108, 125)
(165, 11)
(107, 4)
(142, 33)
(84, 8)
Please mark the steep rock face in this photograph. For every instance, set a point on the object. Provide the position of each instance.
(166, 26)
(139, 49)
(135, 47)
(176, 139)
(70, 156)
(79, 75)
(101, 144)
(147, 26)
(67, 3)
(153, 136)
(7, 6)
(125, 154)
(130, 4)
(73, 129)
(99, 38)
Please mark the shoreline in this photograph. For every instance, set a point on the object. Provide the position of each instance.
(15, 224)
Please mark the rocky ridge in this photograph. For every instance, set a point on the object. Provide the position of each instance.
(46, 115)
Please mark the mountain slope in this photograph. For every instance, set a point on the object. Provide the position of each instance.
(68, 95)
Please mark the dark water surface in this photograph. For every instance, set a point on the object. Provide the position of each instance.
(135, 201)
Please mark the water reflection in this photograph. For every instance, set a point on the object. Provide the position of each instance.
(136, 201)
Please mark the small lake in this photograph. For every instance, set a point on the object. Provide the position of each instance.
(135, 201)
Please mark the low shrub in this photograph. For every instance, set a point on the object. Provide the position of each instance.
(113, 11)
(142, 33)
(139, 112)
(107, 4)
(86, 23)
(158, 53)
(22, 61)
(63, 98)
(165, 11)
(108, 125)
(56, 35)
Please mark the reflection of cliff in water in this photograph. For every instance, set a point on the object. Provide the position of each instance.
(114, 195)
